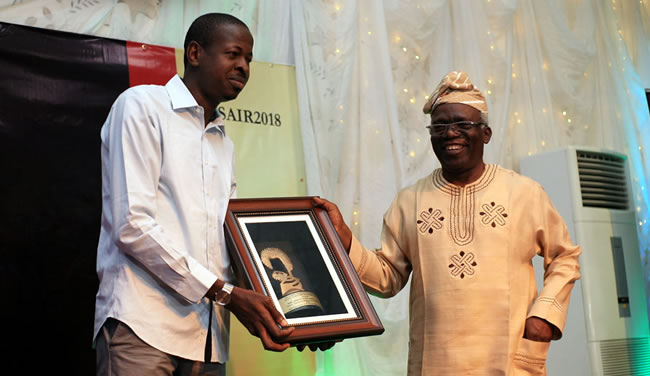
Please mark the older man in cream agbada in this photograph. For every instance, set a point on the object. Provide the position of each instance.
(466, 234)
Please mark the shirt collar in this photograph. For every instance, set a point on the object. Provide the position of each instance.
(218, 122)
(179, 94)
(181, 97)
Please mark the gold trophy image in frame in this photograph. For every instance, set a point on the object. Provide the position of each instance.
(295, 301)
(295, 268)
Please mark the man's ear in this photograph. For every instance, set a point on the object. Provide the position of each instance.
(487, 134)
(193, 53)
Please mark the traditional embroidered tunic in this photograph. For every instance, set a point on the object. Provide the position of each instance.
(470, 249)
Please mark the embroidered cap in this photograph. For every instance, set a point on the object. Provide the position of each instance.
(456, 87)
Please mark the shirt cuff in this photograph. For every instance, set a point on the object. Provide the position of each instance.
(198, 282)
(549, 309)
(357, 255)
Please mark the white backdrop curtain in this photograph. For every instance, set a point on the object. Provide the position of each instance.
(555, 73)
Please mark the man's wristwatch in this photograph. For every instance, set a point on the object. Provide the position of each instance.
(223, 296)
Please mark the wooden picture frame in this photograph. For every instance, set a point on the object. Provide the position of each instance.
(288, 249)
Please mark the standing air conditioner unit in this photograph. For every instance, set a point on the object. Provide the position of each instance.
(607, 326)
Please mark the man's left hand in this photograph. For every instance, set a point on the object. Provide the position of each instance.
(337, 220)
(538, 329)
(258, 314)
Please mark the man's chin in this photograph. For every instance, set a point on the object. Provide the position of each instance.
(451, 160)
(230, 96)
(453, 164)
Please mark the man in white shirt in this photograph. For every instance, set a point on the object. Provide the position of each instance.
(167, 176)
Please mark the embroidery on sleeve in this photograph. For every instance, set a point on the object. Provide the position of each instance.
(462, 264)
(430, 220)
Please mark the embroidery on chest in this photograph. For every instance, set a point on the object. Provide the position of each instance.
(429, 220)
(462, 264)
(493, 214)
(462, 204)
(461, 207)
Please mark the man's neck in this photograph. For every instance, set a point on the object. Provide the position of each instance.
(208, 108)
(464, 177)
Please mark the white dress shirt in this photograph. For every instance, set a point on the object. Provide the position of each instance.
(166, 182)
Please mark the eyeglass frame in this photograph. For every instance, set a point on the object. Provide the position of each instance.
(454, 126)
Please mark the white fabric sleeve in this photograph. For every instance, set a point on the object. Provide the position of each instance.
(133, 140)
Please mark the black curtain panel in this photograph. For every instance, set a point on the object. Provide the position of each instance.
(56, 90)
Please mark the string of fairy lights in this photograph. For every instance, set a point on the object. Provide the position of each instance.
(623, 52)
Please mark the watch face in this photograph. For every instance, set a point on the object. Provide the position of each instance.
(223, 297)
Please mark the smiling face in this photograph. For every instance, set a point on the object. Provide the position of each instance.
(460, 152)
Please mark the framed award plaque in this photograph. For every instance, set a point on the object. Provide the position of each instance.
(288, 250)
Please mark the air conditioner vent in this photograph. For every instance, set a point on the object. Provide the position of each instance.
(602, 180)
(625, 357)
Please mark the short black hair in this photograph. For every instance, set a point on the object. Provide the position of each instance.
(202, 30)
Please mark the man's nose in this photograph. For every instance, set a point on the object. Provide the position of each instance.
(452, 128)
(244, 66)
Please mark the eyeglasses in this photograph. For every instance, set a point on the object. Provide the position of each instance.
(462, 126)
